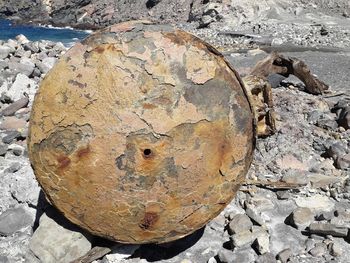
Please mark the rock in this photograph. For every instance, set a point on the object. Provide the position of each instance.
(31, 46)
(10, 136)
(22, 85)
(18, 150)
(3, 149)
(315, 203)
(283, 195)
(46, 64)
(242, 238)
(335, 249)
(322, 228)
(284, 255)
(327, 124)
(343, 162)
(22, 39)
(4, 259)
(52, 242)
(289, 161)
(262, 244)
(13, 220)
(253, 215)
(121, 252)
(24, 68)
(4, 52)
(336, 149)
(212, 260)
(14, 167)
(246, 255)
(11, 109)
(302, 217)
(225, 256)
(266, 258)
(295, 177)
(239, 223)
(319, 250)
(12, 124)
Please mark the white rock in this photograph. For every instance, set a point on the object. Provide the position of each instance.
(121, 252)
(54, 243)
(315, 203)
(4, 52)
(22, 39)
(22, 85)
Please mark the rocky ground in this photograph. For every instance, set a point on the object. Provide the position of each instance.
(295, 206)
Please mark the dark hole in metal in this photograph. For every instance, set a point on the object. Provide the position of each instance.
(147, 152)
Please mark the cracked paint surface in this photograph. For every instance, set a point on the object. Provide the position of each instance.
(142, 133)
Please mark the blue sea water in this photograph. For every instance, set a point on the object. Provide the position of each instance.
(67, 36)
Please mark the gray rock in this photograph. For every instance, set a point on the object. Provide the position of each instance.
(14, 167)
(336, 149)
(242, 238)
(4, 52)
(31, 46)
(11, 109)
(25, 69)
(335, 249)
(262, 244)
(302, 217)
(253, 215)
(10, 136)
(266, 258)
(322, 228)
(246, 254)
(283, 195)
(13, 220)
(52, 242)
(284, 255)
(225, 256)
(46, 64)
(319, 250)
(4, 259)
(343, 162)
(239, 223)
(3, 149)
(18, 150)
(3, 64)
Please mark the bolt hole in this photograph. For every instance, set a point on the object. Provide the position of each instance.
(147, 152)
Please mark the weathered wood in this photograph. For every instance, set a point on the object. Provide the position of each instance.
(276, 63)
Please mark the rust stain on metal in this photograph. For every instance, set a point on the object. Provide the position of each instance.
(158, 140)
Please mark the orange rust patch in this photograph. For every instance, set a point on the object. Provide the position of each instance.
(63, 161)
(148, 106)
(83, 152)
(149, 220)
(99, 49)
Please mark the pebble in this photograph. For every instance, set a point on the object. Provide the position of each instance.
(266, 258)
(14, 107)
(3, 149)
(121, 252)
(322, 228)
(52, 242)
(225, 256)
(242, 238)
(239, 223)
(284, 255)
(262, 244)
(10, 136)
(13, 220)
(336, 249)
(343, 162)
(302, 217)
(319, 250)
(253, 215)
(315, 203)
(14, 167)
(13, 123)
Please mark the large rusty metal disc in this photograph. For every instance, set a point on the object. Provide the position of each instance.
(142, 133)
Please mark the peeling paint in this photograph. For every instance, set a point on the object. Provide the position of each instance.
(142, 133)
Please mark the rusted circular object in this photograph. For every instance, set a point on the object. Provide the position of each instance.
(142, 133)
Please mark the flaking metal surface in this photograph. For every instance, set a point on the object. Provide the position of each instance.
(141, 133)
